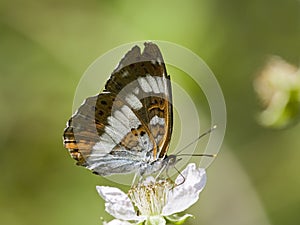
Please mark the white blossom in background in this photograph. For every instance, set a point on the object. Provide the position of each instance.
(156, 201)
(278, 89)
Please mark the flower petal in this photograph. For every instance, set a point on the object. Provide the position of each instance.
(187, 193)
(117, 203)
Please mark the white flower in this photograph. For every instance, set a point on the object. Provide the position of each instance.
(156, 201)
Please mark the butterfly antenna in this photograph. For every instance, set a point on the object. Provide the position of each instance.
(188, 145)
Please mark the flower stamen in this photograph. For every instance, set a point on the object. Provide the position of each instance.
(150, 196)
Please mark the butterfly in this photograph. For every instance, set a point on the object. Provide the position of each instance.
(127, 127)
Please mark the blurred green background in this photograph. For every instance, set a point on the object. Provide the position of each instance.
(45, 46)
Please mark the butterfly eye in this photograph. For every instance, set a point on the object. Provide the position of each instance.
(172, 159)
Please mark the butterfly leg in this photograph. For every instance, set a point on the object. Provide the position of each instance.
(183, 178)
(160, 171)
(136, 175)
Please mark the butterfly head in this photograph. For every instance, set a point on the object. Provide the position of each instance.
(171, 160)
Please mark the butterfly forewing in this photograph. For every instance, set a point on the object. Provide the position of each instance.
(130, 123)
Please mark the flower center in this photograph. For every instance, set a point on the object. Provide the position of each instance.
(150, 196)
